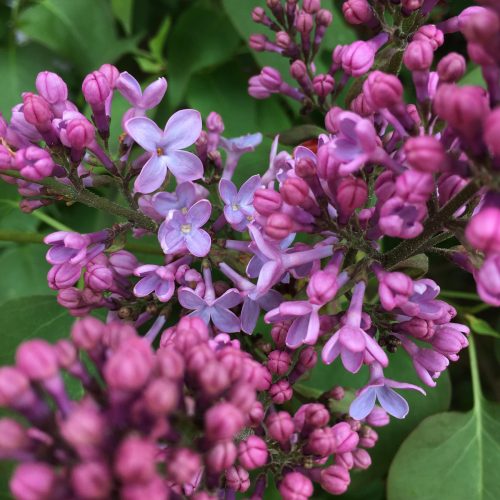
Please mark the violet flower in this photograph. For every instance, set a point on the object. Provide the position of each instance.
(165, 146)
(185, 196)
(235, 148)
(422, 302)
(182, 230)
(238, 208)
(350, 341)
(380, 388)
(211, 308)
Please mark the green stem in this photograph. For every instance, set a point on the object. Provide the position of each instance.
(474, 371)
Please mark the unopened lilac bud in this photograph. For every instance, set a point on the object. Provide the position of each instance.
(294, 191)
(361, 458)
(34, 163)
(84, 427)
(482, 231)
(418, 56)
(13, 437)
(304, 23)
(492, 132)
(267, 201)
(91, 480)
(283, 40)
(415, 186)
(296, 486)
(37, 359)
(345, 438)
(111, 73)
(252, 452)
(135, 458)
(215, 123)
(161, 396)
(383, 90)
(411, 5)
(431, 34)
(182, 465)
(310, 416)
(357, 11)
(394, 289)
(281, 392)
(321, 442)
(322, 287)
(278, 333)
(323, 85)
(324, 17)
(308, 358)
(451, 67)
(87, 333)
(352, 193)
(279, 362)
(488, 280)
(95, 88)
(37, 111)
(221, 456)
(33, 481)
(213, 379)
(51, 87)
(223, 421)
(298, 70)
(378, 417)
(481, 27)
(426, 154)
(271, 78)
(358, 58)
(311, 6)
(123, 262)
(258, 14)
(278, 225)
(257, 42)
(256, 414)
(237, 478)
(336, 393)
(368, 438)
(335, 479)
(280, 426)
(79, 134)
(305, 167)
(99, 278)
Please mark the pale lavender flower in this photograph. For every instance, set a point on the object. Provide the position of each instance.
(380, 388)
(182, 230)
(130, 88)
(211, 308)
(422, 302)
(235, 148)
(238, 207)
(165, 146)
(185, 196)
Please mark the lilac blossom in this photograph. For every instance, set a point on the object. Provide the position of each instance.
(381, 389)
(422, 302)
(235, 148)
(186, 194)
(166, 148)
(182, 230)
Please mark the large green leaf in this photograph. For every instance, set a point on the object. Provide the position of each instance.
(451, 455)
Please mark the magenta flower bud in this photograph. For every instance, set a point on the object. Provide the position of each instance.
(257, 42)
(161, 397)
(331, 121)
(258, 15)
(242, 396)
(267, 201)
(256, 414)
(6, 157)
(135, 458)
(324, 17)
(414, 186)
(91, 480)
(278, 333)
(323, 85)
(84, 427)
(213, 379)
(51, 87)
(294, 191)
(308, 358)
(33, 481)
(304, 23)
(278, 225)
(34, 163)
(170, 363)
(383, 90)
(214, 123)
(111, 73)
(194, 325)
(311, 416)
(37, 111)
(99, 278)
(418, 328)
(426, 154)
(321, 442)
(37, 359)
(123, 262)
(418, 56)
(482, 230)
(492, 132)
(80, 134)
(296, 486)
(283, 40)
(322, 287)
(357, 11)
(237, 478)
(13, 437)
(345, 438)
(281, 392)
(411, 5)
(298, 70)
(358, 58)
(361, 458)
(488, 280)
(451, 67)
(305, 167)
(335, 479)
(352, 193)
(279, 362)
(221, 456)
(336, 393)
(368, 438)
(431, 34)
(96, 89)
(280, 426)
(130, 367)
(252, 452)
(481, 27)
(394, 289)
(311, 6)
(223, 421)
(271, 79)
(378, 417)
(182, 465)
(87, 333)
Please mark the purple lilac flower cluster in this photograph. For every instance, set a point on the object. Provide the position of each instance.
(302, 246)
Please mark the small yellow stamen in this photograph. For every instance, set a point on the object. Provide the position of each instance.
(184, 210)
(186, 228)
(235, 207)
(159, 151)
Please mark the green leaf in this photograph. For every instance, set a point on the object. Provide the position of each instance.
(201, 37)
(157, 43)
(123, 10)
(474, 77)
(468, 444)
(81, 31)
(481, 326)
(299, 134)
(415, 267)
(29, 317)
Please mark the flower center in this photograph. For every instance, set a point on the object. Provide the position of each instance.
(159, 151)
(235, 207)
(186, 228)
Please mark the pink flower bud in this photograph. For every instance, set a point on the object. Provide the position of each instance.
(215, 123)
(308, 358)
(213, 379)
(414, 186)
(267, 201)
(336, 393)
(51, 87)
(33, 480)
(91, 480)
(322, 287)
(37, 111)
(298, 70)
(283, 39)
(311, 6)
(13, 437)
(87, 333)
(242, 396)
(321, 442)
(358, 58)
(256, 414)
(271, 79)
(278, 225)
(425, 153)
(223, 421)
(281, 392)
(394, 289)
(482, 230)
(161, 396)
(492, 132)
(221, 456)
(368, 438)
(345, 438)
(324, 18)
(335, 479)
(361, 458)
(37, 359)
(182, 465)
(170, 363)
(378, 417)
(357, 11)
(95, 88)
(418, 56)
(279, 362)
(296, 486)
(135, 458)
(257, 42)
(280, 426)
(295, 191)
(451, 67)
(123, 262)
(352, 193)
(99, 278)
(278, 333)
(111, 73)
(382, 90)
(488, 280)
(323, 85)
(34, 163)
(252, 452)
(79, 134)
(430, 34)
(311, 416)
(481, 27)
(237, 478)
(411, 5)
(304, 23)
(84, 427)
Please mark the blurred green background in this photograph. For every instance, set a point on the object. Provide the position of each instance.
(200, 46)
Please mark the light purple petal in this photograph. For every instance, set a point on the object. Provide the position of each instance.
(182, 129)
(352, 361)
(270, 300)
(185, 166)
(225, 320)
(331, 349)
(249, 315)
(312, 329)
(363, 404)
(145, 269)
(186, 194)
(189, 299)
(228, 299)
(199, 213)
(145, 132)
(164, 202)
(172, 240)
(297, 332)
(59, 254)
(227, 191)
(403, 385)
(254, 266)
(233, 216)
(146, 285)
(129, 88)
(165, 290)
(392, 402)
(375, 350)
(269, 275)
(266, 248)
(198, 242)
(152, 175)
(203, 313)
(296, 308)
(352, 338)
(247, 190)
(154, 93)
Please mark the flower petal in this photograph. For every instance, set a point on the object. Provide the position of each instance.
(363, 404)
(227, 191)
(312, 329)
(270, 300)
(199, 213)
(182, 129)
(228, 299)
(297, 332)
(247, 190)
(331, 349)
(171, 240)
(352, 361)
(146, 285)
(145, 132)
(249, 315)
(392, 402)
(186, 194)
(184, 165)
(165, 290)
(198, 242)
(152, 175)
(225, 320)
(129, 88)
(154, 93)
(232, 216)
(189, 299)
